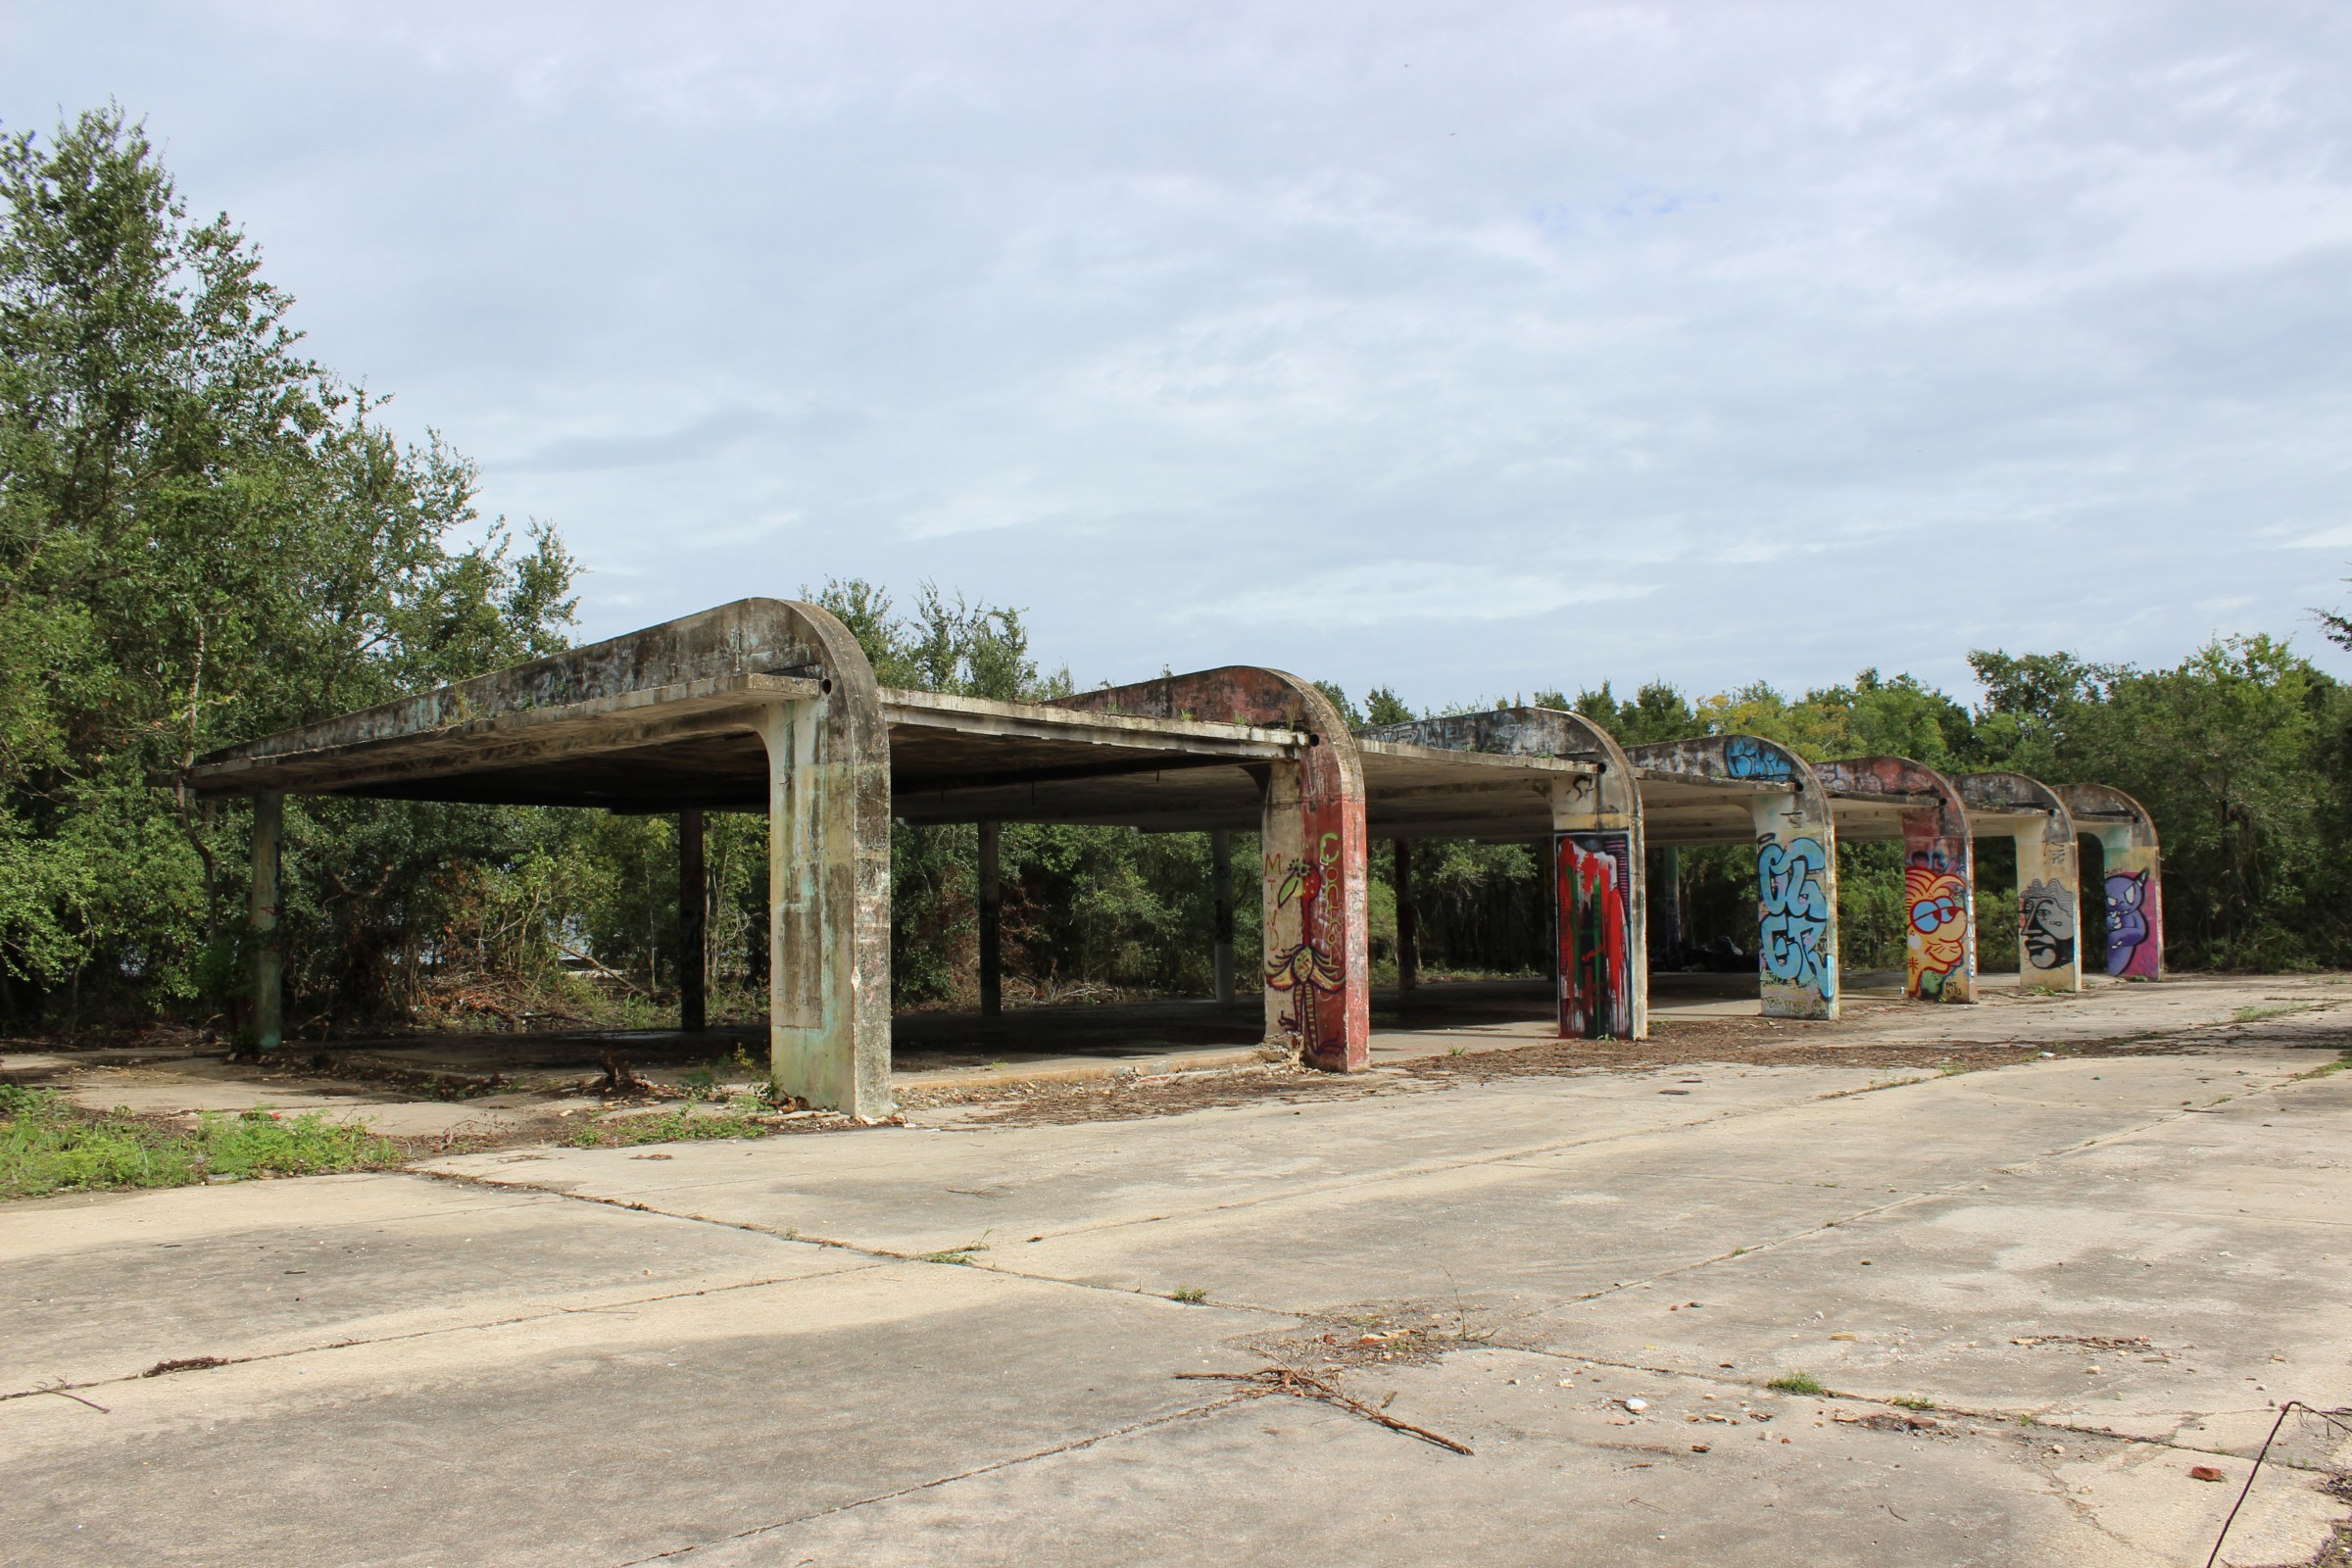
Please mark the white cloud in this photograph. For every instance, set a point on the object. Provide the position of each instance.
(1709, 341)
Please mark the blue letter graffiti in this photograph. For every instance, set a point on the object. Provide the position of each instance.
(1795, 912)
(1749, 757)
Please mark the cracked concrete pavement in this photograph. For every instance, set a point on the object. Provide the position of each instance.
(2099, 1271)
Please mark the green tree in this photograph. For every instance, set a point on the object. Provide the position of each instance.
(203, 536)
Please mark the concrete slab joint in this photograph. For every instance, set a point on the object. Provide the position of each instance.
(1315, 968)
(1939, 958)
(1599, 916)
(2131, 889)
(1796, 861)
(2049, 897)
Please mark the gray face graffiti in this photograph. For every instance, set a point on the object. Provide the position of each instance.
(2047, 915)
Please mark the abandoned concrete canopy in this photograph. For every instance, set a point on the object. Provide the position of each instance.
(770, 706)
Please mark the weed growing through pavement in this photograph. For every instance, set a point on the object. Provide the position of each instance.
(739, 1120)
(958, 1255)
(1191, 1295)
(1914, 1402)
(2260, 1011)
(1797, 1383)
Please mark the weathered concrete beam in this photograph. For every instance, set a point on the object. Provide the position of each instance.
(1315, 968)
(1939, 960)
(1595, 850)
(658, 667)
(1186, 734)
(2133, 893)
(626, 721)
(1796, 861)
(2048, 870)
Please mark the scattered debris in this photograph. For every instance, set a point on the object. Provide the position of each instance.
(2088, 1342)
(620, 1079)
(2205, 1472)
(185, 1364)
(1306, 1386)
(1882, 1421)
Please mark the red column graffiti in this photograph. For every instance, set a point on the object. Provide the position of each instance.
(1590, 876)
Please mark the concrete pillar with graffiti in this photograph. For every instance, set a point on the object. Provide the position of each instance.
(1797, 862)
(1939, 958)
(2048, 876)
(1316, 969)
(1599, 917)
(2133, 889)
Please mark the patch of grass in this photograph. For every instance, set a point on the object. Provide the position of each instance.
(957, 1254)
(675, 1127)
(2280, 1010)
(2343, 1059)
(1914, 1402)
(1191, 1295)
(48, 1146)
(1797, 1383)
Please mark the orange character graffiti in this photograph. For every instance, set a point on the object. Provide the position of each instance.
(1937, 899)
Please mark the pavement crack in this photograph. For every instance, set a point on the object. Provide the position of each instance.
(209, 1363)
(1073, 1445)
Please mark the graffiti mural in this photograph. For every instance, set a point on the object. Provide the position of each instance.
(1747, 757)
(1315, 965)
(1937, 946)
(1794, 913)
(2046, 925)
(2127, 923)
(1594, 879)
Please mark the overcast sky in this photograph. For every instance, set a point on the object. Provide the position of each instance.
(1465, 348)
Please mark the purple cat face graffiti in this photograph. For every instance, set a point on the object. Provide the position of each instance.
(2127, 927)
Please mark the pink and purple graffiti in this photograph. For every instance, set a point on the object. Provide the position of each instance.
(2128, 924)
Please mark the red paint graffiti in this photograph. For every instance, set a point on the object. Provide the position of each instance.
(1591, 878)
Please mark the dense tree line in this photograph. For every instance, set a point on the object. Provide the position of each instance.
(205, 536)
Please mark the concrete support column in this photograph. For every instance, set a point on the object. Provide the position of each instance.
(694, 896)
(828, 898)
(1221, 871)
(2049, 906)
(1601, 959)
(1797, 907)
(992, 922)
(2135, 900)
(1940, 901)
(1317, 998)
(1939, 897)
(1408, 924)
(263, 904)
(2130, 937)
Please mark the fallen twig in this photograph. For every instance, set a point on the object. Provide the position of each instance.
(2334, 1418)
(1306, 1386)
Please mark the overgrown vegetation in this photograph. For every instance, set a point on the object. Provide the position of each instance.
(47, 1146)
(205, 536)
